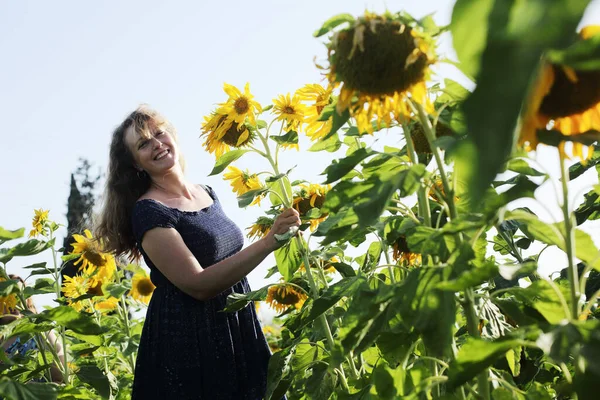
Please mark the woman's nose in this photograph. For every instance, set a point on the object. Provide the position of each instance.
(156, 143)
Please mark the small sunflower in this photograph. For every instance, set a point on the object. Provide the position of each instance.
(89, 249)
(260, 228)
(311, 196)
(281, 296)
(107, 305)
(380, 60)
(318, 97)
(290, 110)
(403, 254)
(40, 218)
(75, 287)
(142, 287)
(243, 182)
(438, 188)
(100, 275)
(240, 105)
(565, 96)
(8, 304)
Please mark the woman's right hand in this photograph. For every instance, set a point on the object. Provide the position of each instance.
(287, 219)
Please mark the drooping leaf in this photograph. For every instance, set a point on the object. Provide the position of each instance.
(338, 170)
(226, 159)
(6, 235)
(333, 22)
(93, 376)
(71, 319)
(330, 145)
(237, 301)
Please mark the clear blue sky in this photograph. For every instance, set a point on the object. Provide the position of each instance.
(72, 70)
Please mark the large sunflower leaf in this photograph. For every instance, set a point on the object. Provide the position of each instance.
(225, 160)
(518, 33)
(10, 235)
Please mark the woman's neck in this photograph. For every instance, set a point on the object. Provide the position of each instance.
(173, 185)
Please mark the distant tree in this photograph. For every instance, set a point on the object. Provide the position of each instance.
(82, 197)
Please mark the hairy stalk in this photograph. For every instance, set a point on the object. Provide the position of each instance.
(62, 329)
(424, 210)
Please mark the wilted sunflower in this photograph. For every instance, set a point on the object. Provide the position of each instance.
(290, 110)
(260, 228)
(318, 97)
(403, 254)
(240, 105)
(142, 287)
(40, 217)
(309, 197)
(107, 305)
(243, 182)
(568, 97)
(380, 60)
(75, 287)
(8, 304)
(281, 296)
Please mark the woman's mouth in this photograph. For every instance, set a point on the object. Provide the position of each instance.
(162, 154)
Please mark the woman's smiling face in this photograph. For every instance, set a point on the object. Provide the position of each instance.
(153, 153)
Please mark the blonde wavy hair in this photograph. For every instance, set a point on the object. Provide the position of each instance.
(125, 184)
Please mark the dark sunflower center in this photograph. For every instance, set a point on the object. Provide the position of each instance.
(145, 287)
(233, 134)
(303, 206)
(420, 141)
(241, 105)
(287, 299)
(289, 110)
(382, 68)
(96, 290)
(94, 257)
(567, 97)
(320, 109)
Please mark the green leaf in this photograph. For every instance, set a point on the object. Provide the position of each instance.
(387, 381)
(247, 198)
(280, 186)
(93, 376)
(589, 209)
(279, 367)
(518, 34)
(338, 170)
(117, 290)
(9, 287)
(71, 319)
(306, 353)
(321, 383)
(452, 92)
(472, 277)
(30, 248)
(333, 22)
(583, 55)
(344, 269)
(469, 29)
(13, 390)
(543, 298)
(521, 166)
(290, 137)
(226, 159)
(474, 356)
(237, 301)
(581, 167)
(330, 145)
(337, 122)
(288, 259)
(6, 235)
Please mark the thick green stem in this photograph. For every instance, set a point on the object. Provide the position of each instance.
(424, 210)
(473, 328)
(569, 236)
(62, 329)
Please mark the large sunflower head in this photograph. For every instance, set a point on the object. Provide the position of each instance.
(100, 274)
(403, 254)
(281, 296)
(309, 197)
(317, 98)
(240, 105)
(142, 287)
(40, 218)
(260, 228)
(221, 132)
(75, 287)
(379, 60)
(290, 110)
(568, 97)
(90, 251)
(243, 181)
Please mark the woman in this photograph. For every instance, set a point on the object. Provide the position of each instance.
(189, 348)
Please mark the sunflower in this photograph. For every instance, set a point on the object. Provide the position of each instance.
(438, 188)
(281, 296)
(309, 197)
(75, 287)
(403, 254)
(260, 228)
(221, 133)
(318, 97)
(109, 304)
(142, 287)
(380, 60)
(40, 218)
(239, 106)
(568, 97)
(243, 182)
(290, 110)
(89, 250)
(8, 304)
(420, 142)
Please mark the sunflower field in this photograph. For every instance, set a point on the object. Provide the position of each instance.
(415, 272)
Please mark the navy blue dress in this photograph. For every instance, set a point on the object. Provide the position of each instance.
(189, 349)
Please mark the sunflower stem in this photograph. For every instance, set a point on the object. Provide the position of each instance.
(423, 202)
(62, 329)
(569, 236)
(123, 312)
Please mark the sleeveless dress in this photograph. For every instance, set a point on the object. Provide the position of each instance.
(190, 349)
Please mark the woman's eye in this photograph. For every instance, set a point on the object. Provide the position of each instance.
(144, 143)
(158, 133)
